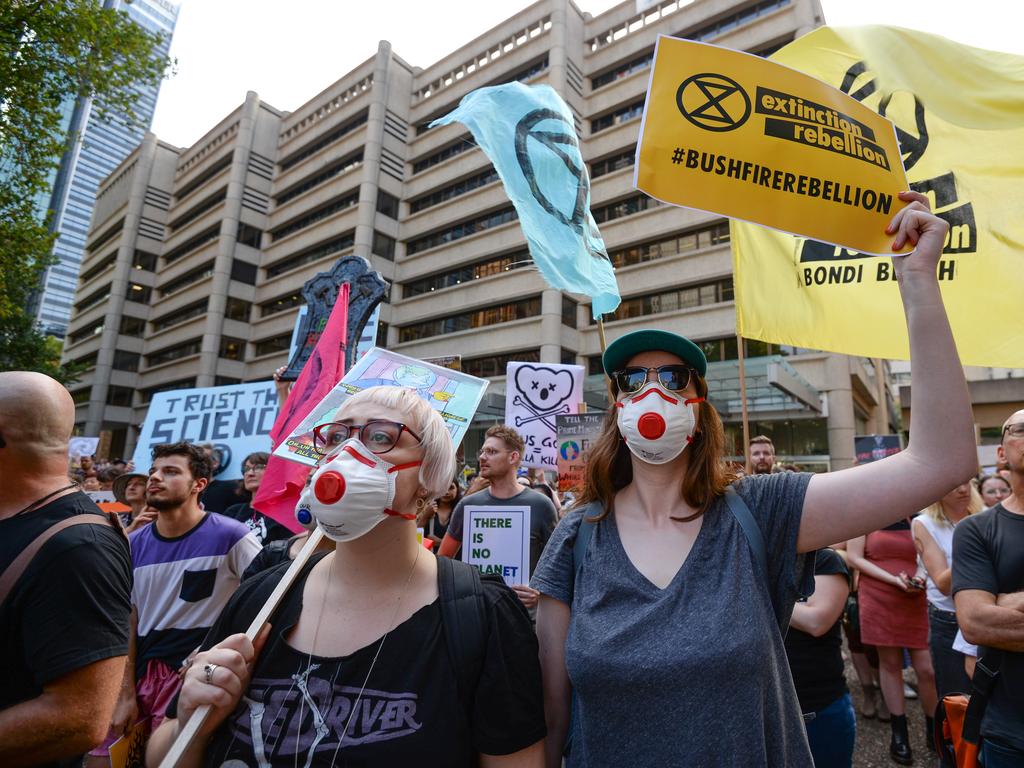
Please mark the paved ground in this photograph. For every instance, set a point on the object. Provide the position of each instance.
(872, 750)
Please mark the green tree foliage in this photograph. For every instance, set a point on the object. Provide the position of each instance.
(50, 54)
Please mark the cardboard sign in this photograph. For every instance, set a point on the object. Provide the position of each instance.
(535, 395)
(454, 394)
(737, 135)
(130, 750)
(869, 448)
(497, 540)
(576, 433)
(236, 419)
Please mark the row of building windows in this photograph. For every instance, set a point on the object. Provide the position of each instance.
(126, 361)
(310, 182)
(338, 204)
(457, 147)
(464, 321)
(204, 177)
(191, 277)
(274, 345)
(619, 116)
(100, 267)
(488, 176)
(311, 254)
(626, 207)
(497, 365)
(324, 141)
(669, 301)
(86, 333)
(605, 165)
(192, 244)
(199, 209)
(175, 352)
(461, 230)
(107, 236)
(622, 70)
(188, 312)
(281, 304)
(652, 250)
(484, 268)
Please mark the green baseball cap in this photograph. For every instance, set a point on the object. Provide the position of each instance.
(625, 347)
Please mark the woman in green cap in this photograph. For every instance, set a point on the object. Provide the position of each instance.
(667, 591)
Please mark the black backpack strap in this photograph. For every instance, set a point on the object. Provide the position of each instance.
(743, 515)
(464, 619)
(986, 672)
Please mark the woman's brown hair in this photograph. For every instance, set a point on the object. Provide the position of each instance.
(610, 468)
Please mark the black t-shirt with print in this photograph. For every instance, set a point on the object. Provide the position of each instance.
(817, 662)
(70, 607)
(409, 712)
(265, 529)
(988, 555)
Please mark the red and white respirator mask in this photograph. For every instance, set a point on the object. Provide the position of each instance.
(657, 424)
(352, 493)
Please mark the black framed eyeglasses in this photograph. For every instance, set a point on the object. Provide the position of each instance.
(672, 377)
(378, 435)
(1014, 430)
(254, 467)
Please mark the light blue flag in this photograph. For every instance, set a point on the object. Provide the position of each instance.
(527, 132)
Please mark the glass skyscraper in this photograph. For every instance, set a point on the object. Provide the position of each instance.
(101, 147)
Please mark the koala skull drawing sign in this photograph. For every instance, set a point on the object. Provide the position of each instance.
(536, 393)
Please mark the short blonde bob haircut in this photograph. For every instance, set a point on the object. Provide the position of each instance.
(976, 504)
(438, 465)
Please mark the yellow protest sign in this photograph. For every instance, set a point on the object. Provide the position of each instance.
(130, 750)
(735, 134)
(959, 116)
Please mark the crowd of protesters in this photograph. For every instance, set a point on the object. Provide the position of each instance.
(678, 613)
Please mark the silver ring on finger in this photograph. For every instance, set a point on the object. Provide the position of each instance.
(208, 671)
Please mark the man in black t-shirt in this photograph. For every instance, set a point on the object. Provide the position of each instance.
(988, 588)
(64, 623)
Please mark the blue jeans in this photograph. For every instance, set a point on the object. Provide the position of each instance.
(995, 755)
(832, 733)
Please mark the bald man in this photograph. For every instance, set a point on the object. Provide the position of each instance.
(64, 624)
(988, 589)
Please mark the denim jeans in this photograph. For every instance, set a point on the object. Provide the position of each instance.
(995, 755)
(950, 675)
(831, 734)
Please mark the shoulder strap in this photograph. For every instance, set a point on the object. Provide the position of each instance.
(14, 571)
(579, 547)
(743, 515)
(986, 671)
(463, 618)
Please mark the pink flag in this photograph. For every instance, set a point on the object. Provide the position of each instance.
(283, 480)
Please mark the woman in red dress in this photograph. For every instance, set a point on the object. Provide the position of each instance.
(894, 616)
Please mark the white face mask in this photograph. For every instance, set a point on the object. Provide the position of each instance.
(352, 493)
(657, 424)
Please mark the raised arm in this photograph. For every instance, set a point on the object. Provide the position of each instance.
(941, 453)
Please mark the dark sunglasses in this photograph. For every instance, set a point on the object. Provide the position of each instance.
(672, 377)
(379, 435)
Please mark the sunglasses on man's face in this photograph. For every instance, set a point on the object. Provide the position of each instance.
(672, 377)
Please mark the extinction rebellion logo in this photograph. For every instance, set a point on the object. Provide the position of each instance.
(713, 102)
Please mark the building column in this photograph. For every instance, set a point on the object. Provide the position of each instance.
(372, 149)
(841, 426)
(220, 284)
(95, 413)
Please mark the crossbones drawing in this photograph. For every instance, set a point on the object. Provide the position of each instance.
(543, 416)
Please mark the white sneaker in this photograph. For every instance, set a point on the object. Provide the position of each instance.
(908, 691)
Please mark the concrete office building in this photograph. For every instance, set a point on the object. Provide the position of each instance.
(99, 147)
(266, 200)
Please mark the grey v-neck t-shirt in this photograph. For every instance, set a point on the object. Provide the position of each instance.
(694, 674)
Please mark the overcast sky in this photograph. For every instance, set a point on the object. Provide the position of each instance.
(289, 52)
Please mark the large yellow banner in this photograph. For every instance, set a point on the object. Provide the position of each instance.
(732, 133)
(959, 115)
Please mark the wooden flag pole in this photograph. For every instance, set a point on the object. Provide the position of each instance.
(743, 405)
(188, 733)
